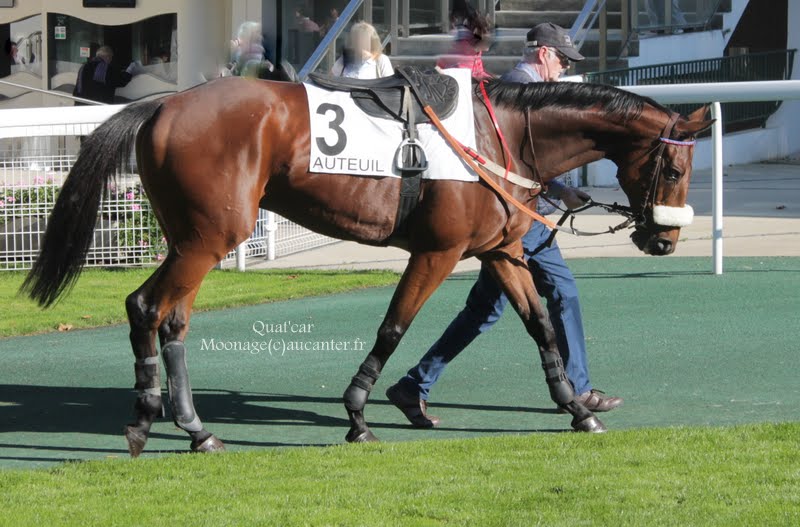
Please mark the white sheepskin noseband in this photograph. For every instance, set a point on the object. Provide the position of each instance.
(673, 216)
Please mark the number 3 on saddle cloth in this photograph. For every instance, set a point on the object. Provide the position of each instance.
(378, 128)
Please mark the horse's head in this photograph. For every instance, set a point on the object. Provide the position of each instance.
(655, 176)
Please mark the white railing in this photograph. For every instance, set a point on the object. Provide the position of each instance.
(715, 94)
(71, 121)
(38, 147)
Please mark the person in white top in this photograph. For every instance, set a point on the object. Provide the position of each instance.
(362, 57)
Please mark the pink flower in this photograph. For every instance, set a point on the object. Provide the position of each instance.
(143, 243)
(38, 180)
(10, 199)
(129, 195)
(159, 257)
(136, 207)
(2, 203)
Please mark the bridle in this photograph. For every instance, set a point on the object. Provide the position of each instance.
(664, 140)
(471, 159)
(633, 217)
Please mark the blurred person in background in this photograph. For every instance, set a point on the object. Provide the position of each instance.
(12, 52)
(363, 56)
(99, 78)
(248, 56)
(472, 32)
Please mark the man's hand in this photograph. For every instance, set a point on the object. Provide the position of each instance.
(574, 198)
(134, 68)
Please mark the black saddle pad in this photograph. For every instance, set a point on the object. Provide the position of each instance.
(383, 98)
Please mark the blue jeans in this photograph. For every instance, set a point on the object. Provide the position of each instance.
(486, 303)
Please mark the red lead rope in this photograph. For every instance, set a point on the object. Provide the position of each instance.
(497, 128)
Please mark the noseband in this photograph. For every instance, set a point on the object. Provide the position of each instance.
(662, 214)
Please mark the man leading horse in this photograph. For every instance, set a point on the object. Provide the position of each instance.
(546, 56)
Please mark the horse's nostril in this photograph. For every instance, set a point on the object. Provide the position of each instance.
(663, 245)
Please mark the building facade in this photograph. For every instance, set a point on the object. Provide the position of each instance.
(175, 43)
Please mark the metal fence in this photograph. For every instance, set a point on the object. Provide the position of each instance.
(770, 65)
(33, 168)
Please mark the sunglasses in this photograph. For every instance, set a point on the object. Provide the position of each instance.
(562, 59)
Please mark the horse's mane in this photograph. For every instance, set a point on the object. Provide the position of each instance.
(570, 95)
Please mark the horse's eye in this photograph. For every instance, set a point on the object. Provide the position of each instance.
(673, 174)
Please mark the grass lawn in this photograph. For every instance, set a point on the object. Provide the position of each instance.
(744, 475)
(98, 298)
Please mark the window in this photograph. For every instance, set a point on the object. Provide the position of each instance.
(151, 42)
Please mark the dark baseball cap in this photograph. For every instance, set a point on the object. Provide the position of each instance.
(553, 36)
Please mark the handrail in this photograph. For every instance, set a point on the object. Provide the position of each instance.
(336, 30)
(52, 92)
(710, 8)
(762, 66)
(718, 93)
(755, 91)
(592, 9)
(580, 28)
(595, 12)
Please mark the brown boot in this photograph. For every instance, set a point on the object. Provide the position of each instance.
(596, 401)
(414, 408)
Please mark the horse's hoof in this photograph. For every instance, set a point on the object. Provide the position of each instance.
(136, 441)
(353, 436)
(590, 424)
(210, 445)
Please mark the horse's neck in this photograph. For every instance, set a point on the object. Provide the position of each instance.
(564, 141)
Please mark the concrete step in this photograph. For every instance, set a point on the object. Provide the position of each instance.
(528, 19)
(504, 44)
(499, 64)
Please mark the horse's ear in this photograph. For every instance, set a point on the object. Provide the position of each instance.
(692, 128)
(699, 114)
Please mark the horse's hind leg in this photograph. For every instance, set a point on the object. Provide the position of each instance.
(148, 405)
(172, 333)
(163, 304)
(515, 279)
(424, 273)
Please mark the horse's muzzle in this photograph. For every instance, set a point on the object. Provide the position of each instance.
(652, 244)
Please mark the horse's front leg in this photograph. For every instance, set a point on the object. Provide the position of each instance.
(510, 270)
(424, 273)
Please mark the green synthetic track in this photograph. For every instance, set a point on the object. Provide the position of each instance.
(681, 346)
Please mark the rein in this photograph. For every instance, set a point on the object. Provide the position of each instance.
(631, 216)
(490, 108)
(475, 161)
(458, 149)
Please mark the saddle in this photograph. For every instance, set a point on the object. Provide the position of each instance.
(401, 97)
(383, 98)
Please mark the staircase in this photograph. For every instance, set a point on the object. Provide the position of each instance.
(514, 18)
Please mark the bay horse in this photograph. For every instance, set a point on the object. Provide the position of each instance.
(211, 156)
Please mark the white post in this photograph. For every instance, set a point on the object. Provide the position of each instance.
(716, 187)
(272, 229)
(241, 252)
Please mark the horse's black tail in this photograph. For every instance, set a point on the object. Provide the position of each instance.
(71, 224)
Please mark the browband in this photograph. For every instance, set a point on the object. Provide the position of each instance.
(676, 142)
